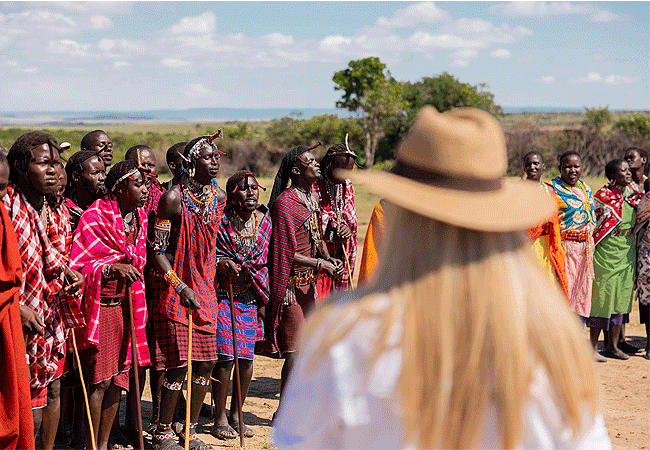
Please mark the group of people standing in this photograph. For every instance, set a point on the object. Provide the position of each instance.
(596, 246)
(95, 261)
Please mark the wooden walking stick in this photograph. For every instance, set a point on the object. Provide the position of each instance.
(188, 403)
(136, 368)
(347, 263)
(83, 388)
(234, 352)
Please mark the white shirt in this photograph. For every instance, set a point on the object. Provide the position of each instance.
(332, 407)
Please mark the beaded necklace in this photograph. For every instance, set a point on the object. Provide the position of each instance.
(245, 240)
(312, 206)
(335, 193)
(202, 203)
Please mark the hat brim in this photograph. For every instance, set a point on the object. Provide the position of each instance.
(517, 205)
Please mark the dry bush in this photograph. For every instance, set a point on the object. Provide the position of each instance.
(252, 156)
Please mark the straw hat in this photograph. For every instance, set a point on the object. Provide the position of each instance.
(451, 167)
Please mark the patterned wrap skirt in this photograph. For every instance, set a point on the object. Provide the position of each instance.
(172, 341)
(107, 360)
(248, 329)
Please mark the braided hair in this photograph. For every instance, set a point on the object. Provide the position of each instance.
(284, 172)
(173, 152)
(74, 166)
(20, 153)
(118, 171)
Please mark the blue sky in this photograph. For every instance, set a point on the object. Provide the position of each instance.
(127, 56)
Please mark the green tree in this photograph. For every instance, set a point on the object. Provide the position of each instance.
(370, 91)
(446, 92)
(597, 118)
(636, 124)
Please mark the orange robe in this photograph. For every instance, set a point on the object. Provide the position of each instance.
(372, 243)
(553, 249)
(16, 422)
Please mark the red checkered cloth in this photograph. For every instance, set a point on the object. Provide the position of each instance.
(108, 359)
(99, 240)
(195, 263)
(329, 219)
(288, 214)
(44, 254)
(253, 261)
(172, 341)
(156, 190)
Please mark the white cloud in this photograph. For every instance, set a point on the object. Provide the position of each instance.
(462, 58)
(335, 44)
(537, 9)
(548, 9)
(37, 22)
(605, 16)
(278, 39)
(425, 42)
(547, 79)
(101, 23)
(122, 65)
(206, 23)
(5, 41)
(197, 90)
(620, 79)
(174, 63)
(500, 53)
(415, 14)
(90, 7)
(68, 47)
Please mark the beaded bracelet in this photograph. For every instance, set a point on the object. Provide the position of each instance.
(319, 264)
(175, 282)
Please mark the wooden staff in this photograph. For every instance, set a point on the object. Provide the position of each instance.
(188, 403)
(347, 263)
(83, 388)
(234, 352)
(136, 367)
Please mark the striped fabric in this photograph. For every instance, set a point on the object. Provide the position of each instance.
(44, 252)
(253, 260)
(99, 240)
(289, 213)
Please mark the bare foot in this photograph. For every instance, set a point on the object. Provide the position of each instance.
(599, 358)
(617, 354)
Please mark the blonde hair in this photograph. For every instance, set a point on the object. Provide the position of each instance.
(478, 316)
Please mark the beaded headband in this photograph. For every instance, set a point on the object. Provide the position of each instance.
(125, 176)
(249, 174)
(204, 142)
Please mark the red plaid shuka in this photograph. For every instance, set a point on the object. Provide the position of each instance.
(608, 201)
(195, 263)
(156, 190)
(253, 260)
(329, 219)
(99, 240)
(75, 212)
(44, 254)
(289, 213)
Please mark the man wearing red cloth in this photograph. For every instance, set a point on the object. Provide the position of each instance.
(49, 287)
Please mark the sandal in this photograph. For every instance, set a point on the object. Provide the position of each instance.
(647, 355)
(223, 432)
(165, 441)
(195, 443)
(248, 432)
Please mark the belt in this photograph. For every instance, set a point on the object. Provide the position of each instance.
(303, 278)
(236, 290)
(578, 236)
(110, 302)
(619, 232)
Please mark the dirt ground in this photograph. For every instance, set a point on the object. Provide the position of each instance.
(625, 388)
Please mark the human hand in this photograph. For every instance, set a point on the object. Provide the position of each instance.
(32, 324)
(189, 299)
(344, 232)
(125, 273)
(228, 267)
(261, 312)
(74, 282)
(339, 267)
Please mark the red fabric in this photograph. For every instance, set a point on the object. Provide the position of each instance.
(288, 215)
(99, 240)
(609, 208)
(16, 423)
(44, 251)
(195, 262)
(329, 221)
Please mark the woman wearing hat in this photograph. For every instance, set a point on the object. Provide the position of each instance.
(461, 341)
